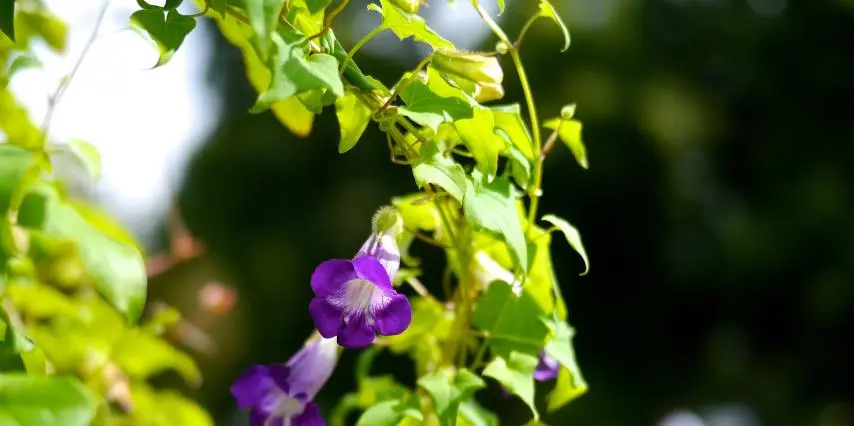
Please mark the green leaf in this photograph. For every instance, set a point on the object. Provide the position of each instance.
(44, 401)
(431, 325)
(295, 73)
(172, 4)
(168, 30)
(22, 62)
(315, 6)
(417, 211)
(142, 355)
(478, 135)
(548, 11)
(406, 25)
(164, 408)
(490, 206)
(351, 72)
(219, 6)
(13, 341)
(514, 323)
(391, 413)
(264, 15)
(428, 108)
(508, 120)
(434, 168)
(573, 237)
(448, 391)
(520, 167)
(15, 162)
(569, 132)
(116, 269)
(7, 18)
(88, 155)
(516, 374)
(472, 414)
(353, 118)
(570, 381)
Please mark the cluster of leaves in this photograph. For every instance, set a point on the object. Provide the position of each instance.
(72, 280)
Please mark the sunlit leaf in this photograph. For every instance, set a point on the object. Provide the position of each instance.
(88, 155)
(570, 381)
(391, 413)
(294, 72)
(569, 132)
(548, 11)
(353, 118)
(163, 408)
(573, 237)
(508, 120)
(473, 414)
(520, 167)
(516, 374)
(44, 401)
(490, 206)
(435, 168)
(405, 25)
(15, 122)
(417, 212)
(142, 355)
(429, 109)
(478, 135)
(431, 325)
(167, 29)
(41, 301)
(264, 15)
(448, 391)
(13, 340)
(514, 323)
(351, 72)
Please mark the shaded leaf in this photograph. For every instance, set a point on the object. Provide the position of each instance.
(547, 10)
(167, 29)
(431, 325)
(88, 155)
(516, 374)
(473, 414)
(429, 109)
(514, 323)
(435, 168)
(405, 25)
(7, 18)
(219, 6)
(490, 206)
(448, 391)
(44, 401)
(573, 237)
(353, 118)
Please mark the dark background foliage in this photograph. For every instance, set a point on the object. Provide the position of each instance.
(716, 211)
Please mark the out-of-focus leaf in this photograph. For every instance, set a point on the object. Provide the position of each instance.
(516, 374)
(547, 10)
(473, 414)
(167, 29)
(391, 413)
(573, 237)
(116, 269)
(353, 118)
(219, 6)
(163, 408)
(434, 168)
(15, 122)
(431, 325)
(491, 207)
(406, 25)
(7, 18)
(514, 323)
(44, 401)
(142, 355)
(88, 155)
(448, 391)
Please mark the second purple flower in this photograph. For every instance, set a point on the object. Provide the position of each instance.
(354, 299)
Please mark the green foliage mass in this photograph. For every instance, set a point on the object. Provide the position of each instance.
(73, 284)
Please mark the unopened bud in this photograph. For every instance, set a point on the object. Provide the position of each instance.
(387, 221)
(502, 48)
(480, 69)
(567, 112)
(408, 6)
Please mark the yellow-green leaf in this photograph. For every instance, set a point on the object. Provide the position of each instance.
(569, 132)
(573, 237)
(547, 10)
(405, 25)
(88, 155)
(353, 118)
(478, 135)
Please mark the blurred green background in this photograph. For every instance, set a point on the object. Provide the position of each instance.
(716, 211)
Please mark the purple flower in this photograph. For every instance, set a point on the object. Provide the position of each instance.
(547, 368)
(281, 394)
(354, 299)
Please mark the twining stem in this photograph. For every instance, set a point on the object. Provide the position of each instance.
(518, 43)
(534, 190)
(54, 99)
(364, 40)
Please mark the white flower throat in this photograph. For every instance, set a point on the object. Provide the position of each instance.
(359, 297)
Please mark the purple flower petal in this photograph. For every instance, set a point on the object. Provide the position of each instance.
(356, 333)
(311, 368)
(258, 418)
(250, 388)
(383, 248)
(280, 373)
(370, 269)
(309, 417)
(327, 318)
(330, 275)
(547, 368)
(395, 317)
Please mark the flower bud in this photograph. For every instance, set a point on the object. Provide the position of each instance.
(408, 6)
(387, 221)
(479, 69)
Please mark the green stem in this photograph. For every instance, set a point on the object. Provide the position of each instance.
(364, 40)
